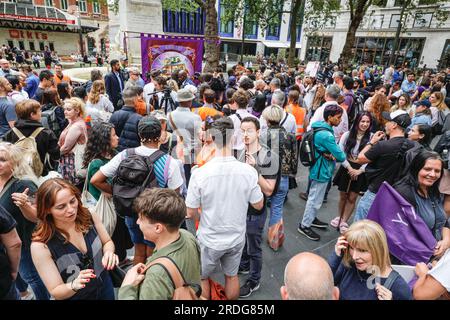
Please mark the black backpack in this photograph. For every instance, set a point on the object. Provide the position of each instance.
(356, 107)
(135, 173)
(307, 149)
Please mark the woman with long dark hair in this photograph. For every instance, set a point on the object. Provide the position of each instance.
(53, 104)
(350, 177)
(422, 134)
(100, 149)
(420, 187)
(64, 90)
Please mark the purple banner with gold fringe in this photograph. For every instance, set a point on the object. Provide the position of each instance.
(171, 53)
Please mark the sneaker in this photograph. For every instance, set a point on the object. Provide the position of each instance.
(319, 224)
(243, 270)
(325, 200)
(28, 296)
(303, 195)
(309, 233)
(248, 288)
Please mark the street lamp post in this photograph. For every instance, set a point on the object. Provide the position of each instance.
(80, 33)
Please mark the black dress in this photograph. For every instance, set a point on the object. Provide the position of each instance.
(344, 182)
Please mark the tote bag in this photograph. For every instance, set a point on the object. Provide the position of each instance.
(275, 235)
(105, 210)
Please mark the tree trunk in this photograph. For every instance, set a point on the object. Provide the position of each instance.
(243, 37)
(212, 46)
(346, 54)
(397, 34)
(298, 6)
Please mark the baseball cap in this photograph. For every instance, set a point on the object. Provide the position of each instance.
(149, 127)
(425, 103)
(400, 117)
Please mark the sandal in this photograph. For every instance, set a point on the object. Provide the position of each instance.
(334, 223)
(343, 227)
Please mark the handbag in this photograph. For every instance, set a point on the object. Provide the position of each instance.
(87, 199)
(78, 151)
(107, 213)
(217, 292)
(275, 235)
(117, 275)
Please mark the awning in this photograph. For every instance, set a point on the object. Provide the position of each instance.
(279, 44)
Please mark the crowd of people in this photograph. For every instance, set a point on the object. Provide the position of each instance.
(186, 170)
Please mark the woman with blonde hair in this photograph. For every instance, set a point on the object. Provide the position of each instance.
(377, 106)
(362, 268)
(98, 106)
(18, 185)
(438, 106)
(71, 248)
(403, 103)
(74, 134)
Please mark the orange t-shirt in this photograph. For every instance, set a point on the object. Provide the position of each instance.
(203, 112)
(57, 80)
(299, 114)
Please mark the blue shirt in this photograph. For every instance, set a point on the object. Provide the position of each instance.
(7, 113)
(409, 87)
(353, 284)
(32, 84)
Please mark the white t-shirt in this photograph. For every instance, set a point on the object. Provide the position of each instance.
(223, 188)
(175, 180)
(148, 90)
(441, 271)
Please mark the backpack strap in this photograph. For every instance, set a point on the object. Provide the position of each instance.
(171, 268)
(391, 279)
(239, 117)
(18, 133)
(36, 132)
(284, 120)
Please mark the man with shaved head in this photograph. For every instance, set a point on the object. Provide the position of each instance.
(308, 277)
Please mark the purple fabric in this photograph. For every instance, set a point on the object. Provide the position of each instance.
(409, 238)
(169, 53)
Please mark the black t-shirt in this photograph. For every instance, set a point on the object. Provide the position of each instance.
(267, 166)
(7, 223)
(385, 162)
(24, 227)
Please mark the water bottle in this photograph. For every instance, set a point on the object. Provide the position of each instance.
(308, 151)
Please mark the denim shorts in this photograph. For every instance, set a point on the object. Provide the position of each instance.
(135, 233)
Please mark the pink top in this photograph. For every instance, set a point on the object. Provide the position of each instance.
(75, 132)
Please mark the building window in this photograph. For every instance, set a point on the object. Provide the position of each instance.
(378, 51)
(96, 7)
(64, 5)
(41, 46)
(423, 20)
(444, 62)
(21, 45)
(399, 3)
(32, 48)
(318, 48)
(226, 28)
(273, 29)
(51, 46)
(82, 5)
(49, 3)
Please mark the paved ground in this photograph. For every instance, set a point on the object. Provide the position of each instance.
(275, 262)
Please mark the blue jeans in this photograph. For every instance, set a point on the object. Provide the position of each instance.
(252, 254)
(277, 201)
(315, 198)
(21, 285)
(364, 206)
(30, 275)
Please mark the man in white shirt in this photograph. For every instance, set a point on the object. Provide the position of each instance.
(240, 104)
(167, 172)
(149, 88)
(287, 122)
(223, 188)
(331, 95)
